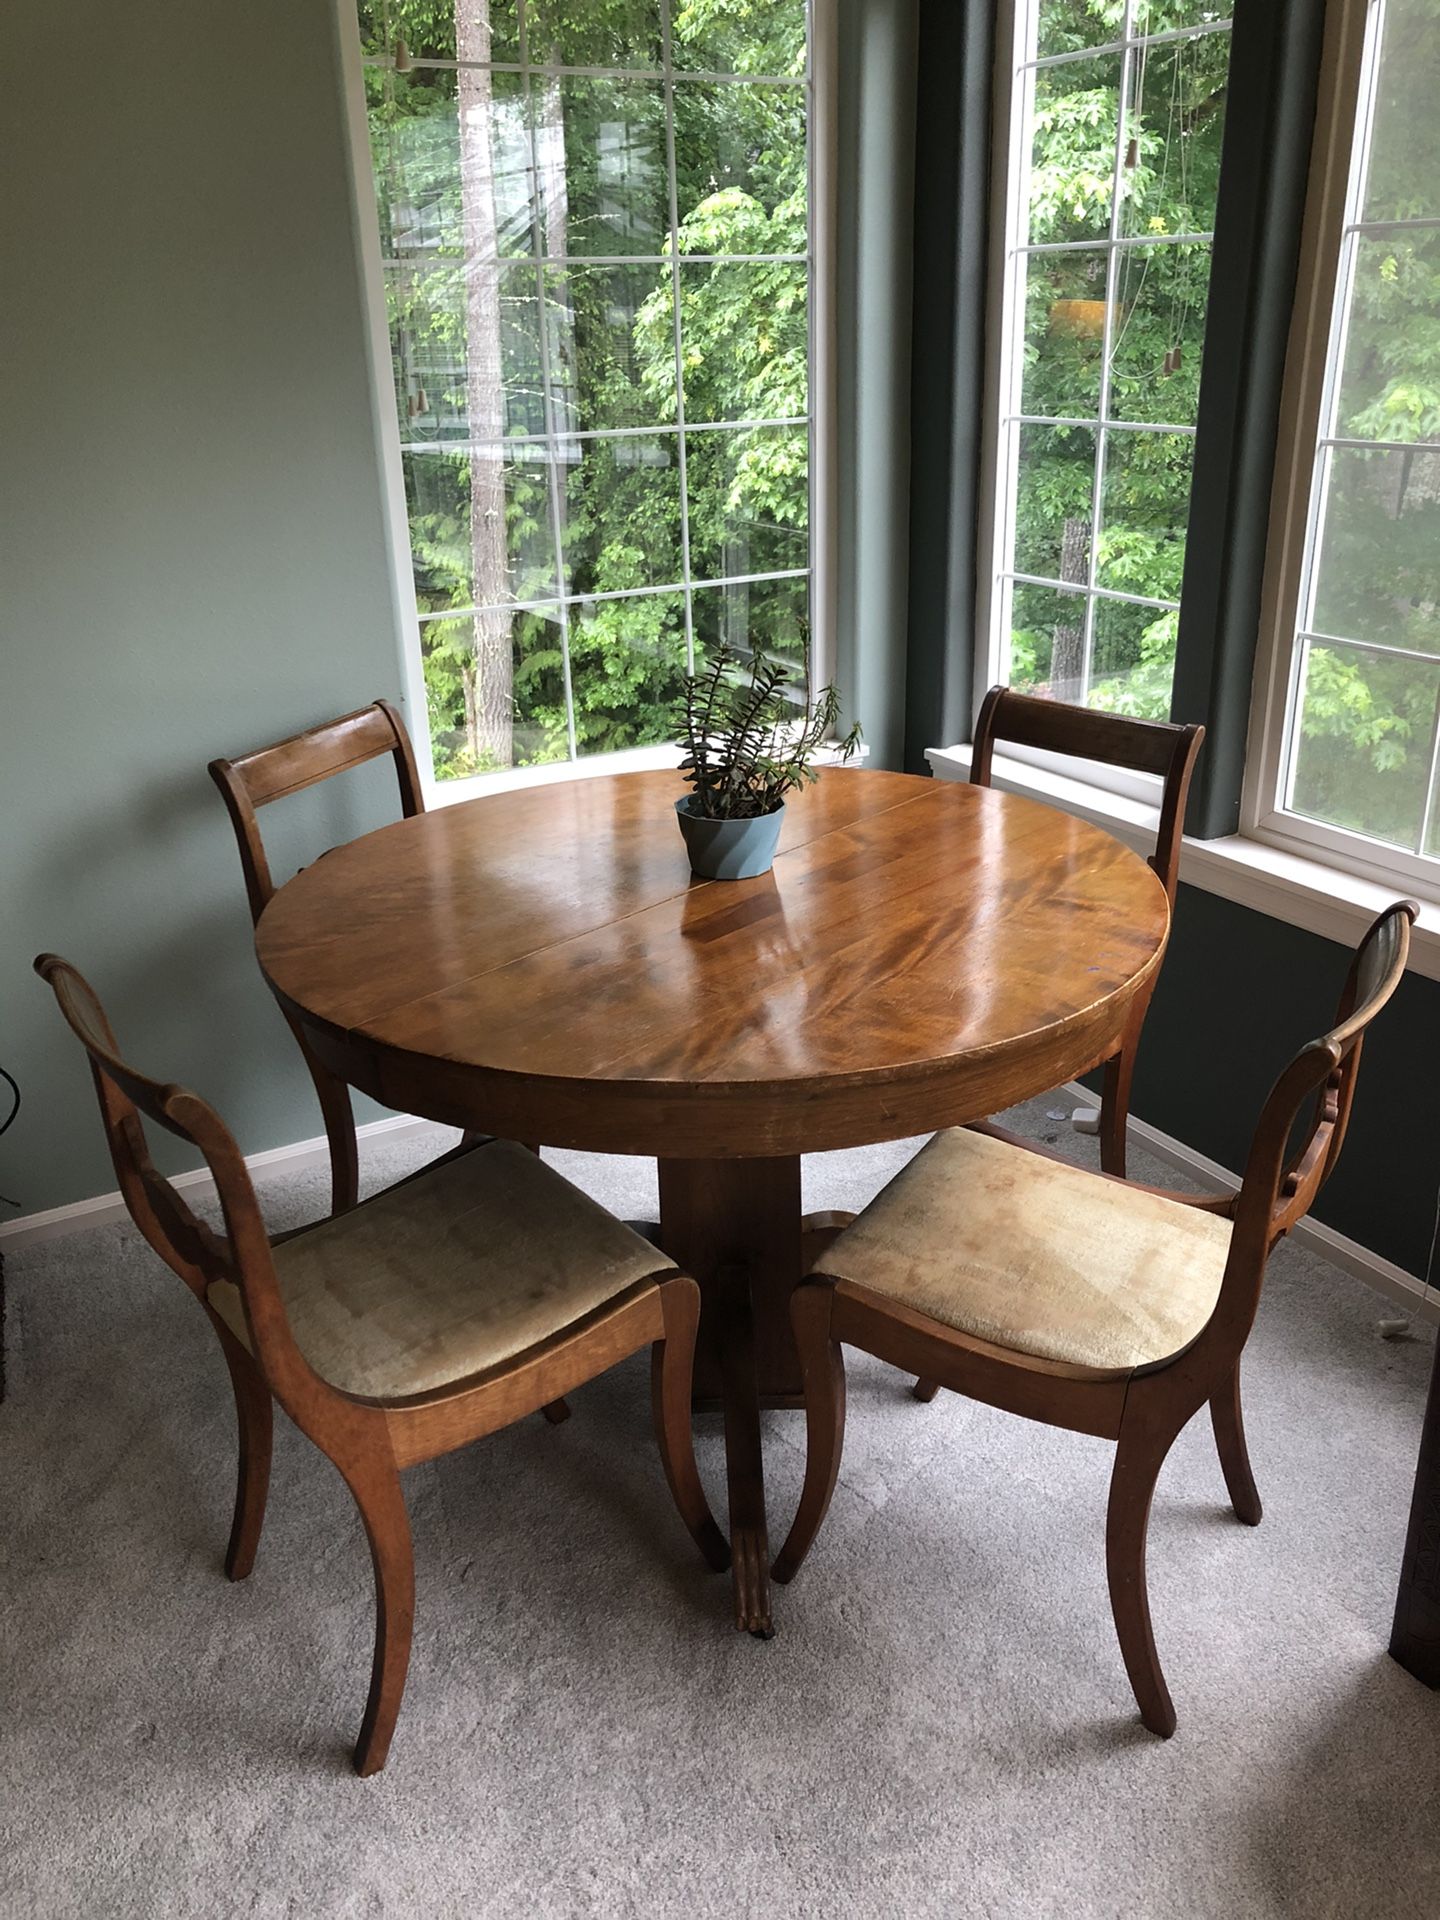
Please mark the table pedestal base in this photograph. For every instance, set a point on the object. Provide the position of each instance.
(736, 1226)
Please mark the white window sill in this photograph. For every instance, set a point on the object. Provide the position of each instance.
(1290, 887)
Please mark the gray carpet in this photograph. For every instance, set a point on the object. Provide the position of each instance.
(942, 1725)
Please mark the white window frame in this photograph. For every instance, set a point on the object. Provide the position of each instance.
(1315, 351)
(1012, 143)
(820, 85)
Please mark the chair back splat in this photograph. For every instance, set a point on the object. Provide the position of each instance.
(186, 1244)
(272, 773)
(1281, 1183)
(1144, 746)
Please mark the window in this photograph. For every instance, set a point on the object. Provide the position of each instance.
(594, 235)
(1348, 755)
(1116, 113)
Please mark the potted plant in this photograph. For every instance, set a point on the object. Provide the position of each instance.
(747, 744)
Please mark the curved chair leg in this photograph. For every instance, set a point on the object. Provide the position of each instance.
(672, 1374)
(556, 1411)
(254, 1416)
(1138, 1460)
(822, 1363)
(1115, 1108)
(376, 1487)
(1229, 1425)
(925, 1390)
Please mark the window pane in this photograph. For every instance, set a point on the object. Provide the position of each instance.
(495, 688)
(1403, 182)
(1390, 386)
(1064, 334)
(766, 616)
(627, 670)
(1159, 333)
(1047, 641)
(484, 29)
(479, 525)
(600, 157)
(582, 33)
(736, 36)
(1143, 511)
(744, 339)
(1054, 500)
(622, 513)
(749, 498)
(466, 351)
(1065, 25)
(452, 164)
(612, 354)
(1133, 659)
(740, 168)
(1378, 576)
(1171, 164)
(1362, 758)
(1072, 162)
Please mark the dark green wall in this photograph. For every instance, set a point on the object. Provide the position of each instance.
(191, 539)
(1239, 994)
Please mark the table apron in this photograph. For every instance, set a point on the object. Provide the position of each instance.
(720, 1122)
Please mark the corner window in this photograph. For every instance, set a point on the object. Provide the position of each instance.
(597, 269)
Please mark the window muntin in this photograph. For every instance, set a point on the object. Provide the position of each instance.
(1117, 115)
(1361, 748)
(598, 289)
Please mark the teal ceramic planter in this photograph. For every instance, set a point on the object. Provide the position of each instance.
(729, 849)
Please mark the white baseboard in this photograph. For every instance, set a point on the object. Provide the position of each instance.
(1405, 1288)
(106, 1207)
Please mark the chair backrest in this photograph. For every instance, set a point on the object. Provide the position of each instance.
(270, 773)
(1144, 746)
(1282, 1179)
(184, 1242)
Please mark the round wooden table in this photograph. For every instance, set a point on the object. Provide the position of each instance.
(541, 964)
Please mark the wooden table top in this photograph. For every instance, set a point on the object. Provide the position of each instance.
(541, 963)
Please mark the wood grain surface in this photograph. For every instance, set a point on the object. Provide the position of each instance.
(541, 963)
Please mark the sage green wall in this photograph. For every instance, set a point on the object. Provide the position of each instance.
(192, 558)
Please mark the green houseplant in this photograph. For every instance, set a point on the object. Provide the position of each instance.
(747, 744)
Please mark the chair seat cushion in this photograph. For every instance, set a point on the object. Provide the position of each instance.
(1037, 1256)
(447, 1274)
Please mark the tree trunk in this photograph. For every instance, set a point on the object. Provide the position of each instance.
(1067, 658)
(489, 697)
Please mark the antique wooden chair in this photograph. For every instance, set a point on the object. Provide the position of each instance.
(447, 1307)
(1082, 1300)
(1143, 746)
(272, 773)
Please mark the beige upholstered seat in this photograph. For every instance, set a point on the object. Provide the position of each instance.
(448, 1274)
(1036, 1256)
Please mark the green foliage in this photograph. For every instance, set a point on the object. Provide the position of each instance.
(745, 747)
(1366, 720)
(482, 518)
(1170, 150)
